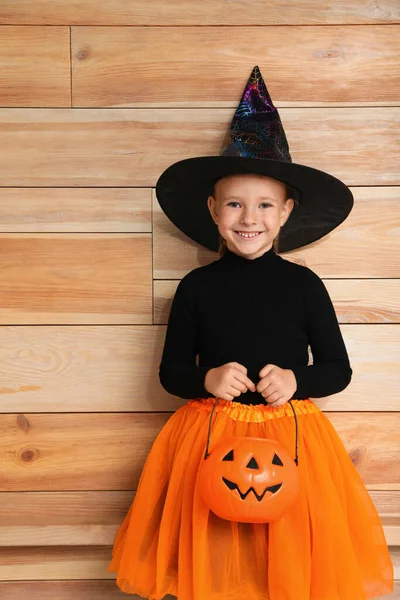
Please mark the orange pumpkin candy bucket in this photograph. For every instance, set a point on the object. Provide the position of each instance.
(249, 479)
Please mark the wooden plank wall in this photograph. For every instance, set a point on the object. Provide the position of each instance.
(97, 97)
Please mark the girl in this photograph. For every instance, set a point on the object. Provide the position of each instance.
(249, 317)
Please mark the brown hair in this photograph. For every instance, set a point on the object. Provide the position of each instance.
(291, 192)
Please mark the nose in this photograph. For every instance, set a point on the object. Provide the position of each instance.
(248, 216)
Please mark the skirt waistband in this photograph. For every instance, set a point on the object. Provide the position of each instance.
(256, 413)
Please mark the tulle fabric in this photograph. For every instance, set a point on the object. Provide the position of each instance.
(330, 546)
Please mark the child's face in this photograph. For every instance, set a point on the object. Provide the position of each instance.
(249, 203)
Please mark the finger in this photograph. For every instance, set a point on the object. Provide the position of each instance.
(235, 392)
(265, 370)
(272, 388)
(266, 385)
(239, 367)
(279, 402)
(249, 384)
(273, 378)
(274, 398)
(239, 385)
(245, 381)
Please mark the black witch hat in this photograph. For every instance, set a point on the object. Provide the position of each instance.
(259, 146)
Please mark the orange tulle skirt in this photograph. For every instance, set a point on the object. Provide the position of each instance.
(329, 546)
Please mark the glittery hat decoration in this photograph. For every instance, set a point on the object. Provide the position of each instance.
(256, 128)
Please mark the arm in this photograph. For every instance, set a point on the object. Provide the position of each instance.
(330, 372)
(178, 372)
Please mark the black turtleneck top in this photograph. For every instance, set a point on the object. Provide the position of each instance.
(259, 311)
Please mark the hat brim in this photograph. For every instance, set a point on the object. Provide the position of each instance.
(182, 192)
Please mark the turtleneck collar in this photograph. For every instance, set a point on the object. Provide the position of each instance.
(237, 261)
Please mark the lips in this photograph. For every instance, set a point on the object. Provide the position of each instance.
(233, 486)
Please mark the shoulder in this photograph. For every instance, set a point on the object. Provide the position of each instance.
(192, 282)
(306, 283)
(193, 277)
(199, 274)
(190, 285)
(300, 273)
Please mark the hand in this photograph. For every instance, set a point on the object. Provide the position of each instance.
(228, 381)
(276, 385)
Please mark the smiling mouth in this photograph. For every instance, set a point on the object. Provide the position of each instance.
(248, 235)
(233, 486)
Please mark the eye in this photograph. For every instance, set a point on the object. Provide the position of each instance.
(277, 461)
(262, 203)
(228, 456)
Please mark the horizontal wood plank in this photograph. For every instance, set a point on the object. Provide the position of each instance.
(35, 66)
(81, 563)
(208, 12)
(75, 278)
(105, 368)
(76, 451)
(93, 518)
(44, 452)
(51, 563)
(116, 147)
(95, 210)
(369, 236)
(127, 67)
(90, 589)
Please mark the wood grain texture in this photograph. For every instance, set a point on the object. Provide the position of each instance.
(123, 66)
(76, 563)
(44, 452)
(119, 147)
(35, 66)
(104, 368)
(75, 432)
(90, 589)
(96, 210)
(60, 562)
(59, 369)
(93, 517)
(369, 235)
(75, 278)
(208, 12)
(87, 590)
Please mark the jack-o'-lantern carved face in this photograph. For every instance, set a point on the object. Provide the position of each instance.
(249, 479)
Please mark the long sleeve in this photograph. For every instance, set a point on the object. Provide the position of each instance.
(330, 372)
(178, 372)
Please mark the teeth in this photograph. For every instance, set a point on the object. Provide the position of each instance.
(247, 235)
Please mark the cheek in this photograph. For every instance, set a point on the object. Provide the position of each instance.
(226, 219)
(275, 214)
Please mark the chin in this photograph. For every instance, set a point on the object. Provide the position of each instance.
(251, 247)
